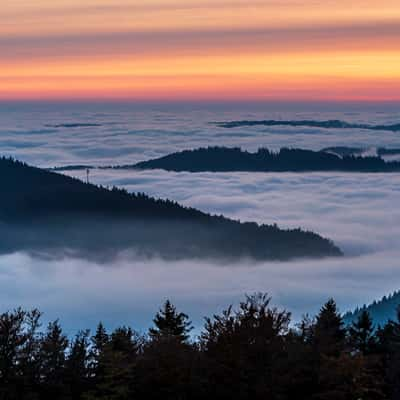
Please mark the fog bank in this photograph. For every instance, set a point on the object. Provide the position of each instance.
(129, 291)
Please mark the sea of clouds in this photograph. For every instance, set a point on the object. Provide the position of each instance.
(358, 211)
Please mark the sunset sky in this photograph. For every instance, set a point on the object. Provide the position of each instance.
(200, 50)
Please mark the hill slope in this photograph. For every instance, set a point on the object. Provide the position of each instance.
(381, 311)
(42, 211)
(222, 159)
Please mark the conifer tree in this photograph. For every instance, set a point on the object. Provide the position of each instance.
(389, 346)
(167, 361)
(362, 333)
(114, 375)
(13, 338)
(100, 338)
(53, 354)
(171, 324)
(329, 331)
(29, 356)
(77, 372)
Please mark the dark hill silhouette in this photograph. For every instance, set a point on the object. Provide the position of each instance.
(223, 159)
(73, 125)
(381, 311)
(42, 211)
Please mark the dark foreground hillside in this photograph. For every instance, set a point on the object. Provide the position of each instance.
(251, 352)
(44, 212)
(223, 159)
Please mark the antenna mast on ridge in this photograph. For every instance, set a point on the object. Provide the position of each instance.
(87, 175)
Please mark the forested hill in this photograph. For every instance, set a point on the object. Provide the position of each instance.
(381, 311)
(46, 212)
(223, 159)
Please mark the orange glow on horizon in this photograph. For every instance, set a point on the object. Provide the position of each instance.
(200, 50)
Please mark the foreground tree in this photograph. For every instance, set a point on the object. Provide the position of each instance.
(53, 348)
(166, 364)
(116, 363)
(19, 353)
(245, 352)
(389, 348)
(77, 366)
(170, 324)
(329, 332)
(361, 334)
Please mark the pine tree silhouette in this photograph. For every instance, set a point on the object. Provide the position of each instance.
(362, 333)
(171, 324)
(329, 334)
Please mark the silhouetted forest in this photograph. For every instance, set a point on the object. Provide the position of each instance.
(46, 212)
(252, 352)
(380, 310)
(223, 159)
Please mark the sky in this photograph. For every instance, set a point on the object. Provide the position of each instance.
(175, 50)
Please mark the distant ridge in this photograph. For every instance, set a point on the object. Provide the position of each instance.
(46, 212)
(73, 125)
(330, 124)
(224, 159)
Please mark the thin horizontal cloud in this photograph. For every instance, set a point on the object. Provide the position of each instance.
(50, 9)
(198, 87)
(249, 40)
(217, 13)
